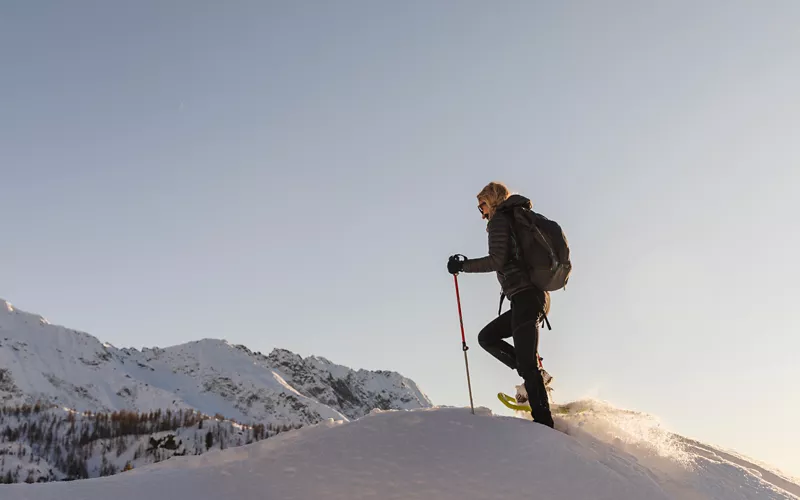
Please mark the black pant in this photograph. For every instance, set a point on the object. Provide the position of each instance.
(521, 323)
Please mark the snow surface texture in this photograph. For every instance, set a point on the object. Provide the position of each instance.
(53, 364)
(443, 453)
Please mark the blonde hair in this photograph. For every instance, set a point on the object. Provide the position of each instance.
(494, 194)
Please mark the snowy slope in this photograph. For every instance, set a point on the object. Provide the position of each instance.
(439, 453)
(682, 467)
(40, 361)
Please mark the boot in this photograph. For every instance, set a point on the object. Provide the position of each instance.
(522, 394)
(537, 397)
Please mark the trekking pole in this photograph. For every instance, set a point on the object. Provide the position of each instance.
(464, 344)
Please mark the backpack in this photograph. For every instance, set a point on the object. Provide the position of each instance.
(542, 246)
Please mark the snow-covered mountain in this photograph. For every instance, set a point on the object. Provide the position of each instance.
(57, 365)
(597, 452)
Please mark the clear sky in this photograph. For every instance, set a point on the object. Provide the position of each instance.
(296, 174)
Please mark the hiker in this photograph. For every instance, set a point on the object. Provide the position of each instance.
(528, 303)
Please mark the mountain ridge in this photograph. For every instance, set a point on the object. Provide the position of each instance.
(58, 365)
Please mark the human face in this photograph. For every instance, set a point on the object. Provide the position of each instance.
(486, 211)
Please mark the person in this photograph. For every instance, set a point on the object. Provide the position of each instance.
(528, 304)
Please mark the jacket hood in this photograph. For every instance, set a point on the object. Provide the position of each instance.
(515, 200)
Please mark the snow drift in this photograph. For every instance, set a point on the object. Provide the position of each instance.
(442, 453)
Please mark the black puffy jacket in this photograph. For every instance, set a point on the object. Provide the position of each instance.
(503, 256)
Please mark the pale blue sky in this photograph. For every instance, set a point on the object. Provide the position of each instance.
(296, 175)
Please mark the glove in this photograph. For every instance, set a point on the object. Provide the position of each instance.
(455, 265)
